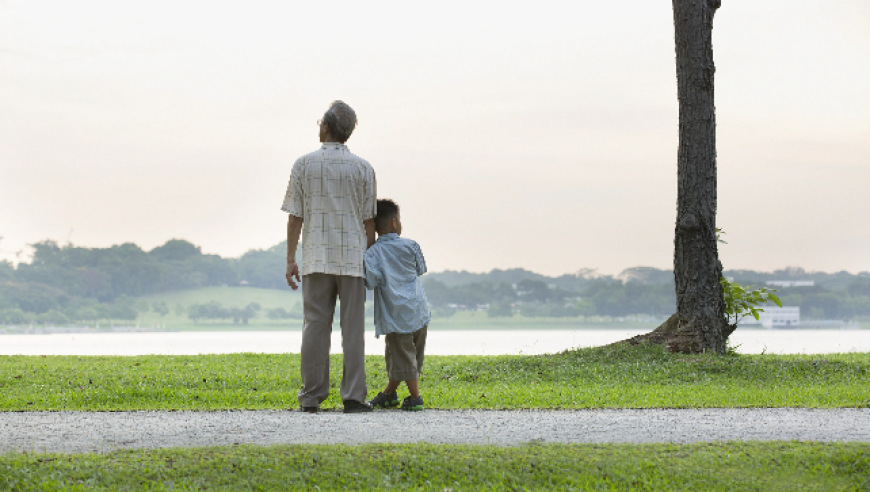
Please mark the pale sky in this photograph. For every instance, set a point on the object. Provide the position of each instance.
(541, 135)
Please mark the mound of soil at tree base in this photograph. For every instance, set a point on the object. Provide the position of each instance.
(677, 334)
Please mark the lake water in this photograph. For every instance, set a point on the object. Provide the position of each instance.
(448, 342)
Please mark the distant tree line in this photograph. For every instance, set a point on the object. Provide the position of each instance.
(72, 283)
(214, 311)
(69, 283)
(536, 298)
(641, 290)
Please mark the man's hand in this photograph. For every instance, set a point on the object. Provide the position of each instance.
(294, 229)
(292, 271)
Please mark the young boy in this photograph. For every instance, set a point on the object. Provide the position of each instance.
(392, 267)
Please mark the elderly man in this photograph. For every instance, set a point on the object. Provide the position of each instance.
(332, 199)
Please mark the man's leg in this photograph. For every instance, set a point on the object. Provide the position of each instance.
(318, 307)
(352, 292)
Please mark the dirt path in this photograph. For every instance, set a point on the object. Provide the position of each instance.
(79, 432)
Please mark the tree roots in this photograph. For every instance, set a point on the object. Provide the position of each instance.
(677, 335)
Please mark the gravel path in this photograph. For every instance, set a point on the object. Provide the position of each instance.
(78, 432)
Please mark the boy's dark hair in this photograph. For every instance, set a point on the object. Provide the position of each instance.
(387, 209)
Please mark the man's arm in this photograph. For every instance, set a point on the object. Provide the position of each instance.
(370, 206)
(294, 230)
(370, 232)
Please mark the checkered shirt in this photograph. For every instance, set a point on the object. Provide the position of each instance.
(333, 191)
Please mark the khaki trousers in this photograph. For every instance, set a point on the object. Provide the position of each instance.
(319, 291)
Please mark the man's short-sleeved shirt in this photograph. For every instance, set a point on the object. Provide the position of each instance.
(333, 191)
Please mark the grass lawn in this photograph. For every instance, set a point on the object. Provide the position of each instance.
(767, 467)
(627, 377)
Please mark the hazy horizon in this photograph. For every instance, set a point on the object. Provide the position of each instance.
(589, 272)
(541, 136)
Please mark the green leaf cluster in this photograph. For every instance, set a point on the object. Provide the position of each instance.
(742, 301)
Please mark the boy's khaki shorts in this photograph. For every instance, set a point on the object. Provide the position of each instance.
(404, 354)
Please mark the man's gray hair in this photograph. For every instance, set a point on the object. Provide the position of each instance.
(341, 119)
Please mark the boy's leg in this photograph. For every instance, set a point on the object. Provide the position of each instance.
(388, 397)
(392, 386)
(352, 292)
(400, 358)
(389, 349)
(419, 339)
(318, 301)
(413, 387)
(420, 347)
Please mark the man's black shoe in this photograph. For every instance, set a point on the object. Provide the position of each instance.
(353, 406)
(309, 409)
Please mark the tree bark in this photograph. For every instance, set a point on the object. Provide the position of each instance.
(697, 270)
(699, 324)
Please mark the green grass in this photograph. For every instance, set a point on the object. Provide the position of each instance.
(627, 377)
(767, 467)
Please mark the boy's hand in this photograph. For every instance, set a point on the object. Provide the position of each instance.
(292, 271)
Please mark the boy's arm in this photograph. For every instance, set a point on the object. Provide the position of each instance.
(418, 258)
(373, 276)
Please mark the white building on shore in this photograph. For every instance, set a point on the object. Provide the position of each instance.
(791, 283)
(775, 317)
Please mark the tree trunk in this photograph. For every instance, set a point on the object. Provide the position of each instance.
(699, 324)
(697, 270)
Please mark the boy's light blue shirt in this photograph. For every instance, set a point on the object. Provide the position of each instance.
(392, 268)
